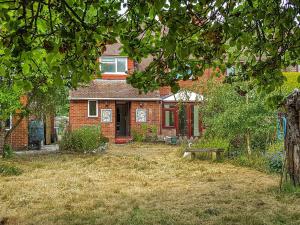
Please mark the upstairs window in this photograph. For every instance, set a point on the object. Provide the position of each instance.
(92, 108)
(230, 71)
(117, 65)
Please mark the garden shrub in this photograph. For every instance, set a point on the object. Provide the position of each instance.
(84, 139)
(8, 151)
(145, 133)
(254, 161)
(212, 143)
(275, 162)
(7, 170)
(275, 157)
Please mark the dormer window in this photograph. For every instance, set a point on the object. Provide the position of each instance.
(113, 65)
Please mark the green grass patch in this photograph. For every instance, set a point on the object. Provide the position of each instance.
(8, 170)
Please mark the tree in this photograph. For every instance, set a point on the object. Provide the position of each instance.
(232, 113)
(46, 45)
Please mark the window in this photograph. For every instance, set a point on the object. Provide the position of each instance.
(111, 64)
(92, 108)
(230, 71)
(8, 123)
(169, 111)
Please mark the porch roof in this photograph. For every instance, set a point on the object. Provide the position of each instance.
(184, 96)
(111, 90)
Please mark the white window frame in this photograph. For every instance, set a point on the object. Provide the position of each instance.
(10, 123)
(92, 116)
(116, 58)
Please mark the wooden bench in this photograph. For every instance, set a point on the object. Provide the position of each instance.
(193, 152)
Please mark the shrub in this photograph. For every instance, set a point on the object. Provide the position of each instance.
(275, 162)
(8, 151)
(275, 157)
(84, 139)
(212, 143)
(137, 135)
(7, 170)
(145, 133)
(255, 161)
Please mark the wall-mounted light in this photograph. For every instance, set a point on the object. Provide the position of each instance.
(141, 104)
(106, 103)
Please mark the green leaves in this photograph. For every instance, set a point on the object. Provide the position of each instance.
(25, 68)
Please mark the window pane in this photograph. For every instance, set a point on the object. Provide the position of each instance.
(167, 106)
(169, 119)
(92, 108)
(121, 65)
(7, 123)
(195, 121)
(108, 64)
(230, 71)
(108, 68)
(106, 59)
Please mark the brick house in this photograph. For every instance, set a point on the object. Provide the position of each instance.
(120, 109)
(19, 139)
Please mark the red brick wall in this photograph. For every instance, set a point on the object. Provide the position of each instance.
(196, 85)
(78, 116)
(19, 137)
(108, 129)
(168, 131)
(153, 113)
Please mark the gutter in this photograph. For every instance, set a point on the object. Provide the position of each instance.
(119, 99)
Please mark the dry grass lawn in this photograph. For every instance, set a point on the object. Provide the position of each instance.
(141, 184)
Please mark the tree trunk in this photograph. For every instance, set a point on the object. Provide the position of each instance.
(292, 139)
(2, 136)
(248, 142)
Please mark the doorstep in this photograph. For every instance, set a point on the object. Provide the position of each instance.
(123, 139)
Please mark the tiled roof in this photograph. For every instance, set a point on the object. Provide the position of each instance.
(113, 49)
(111, 90)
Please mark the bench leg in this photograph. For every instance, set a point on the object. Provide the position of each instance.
(193, 155)
(218, 156)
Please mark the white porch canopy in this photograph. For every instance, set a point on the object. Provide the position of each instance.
(184, 96)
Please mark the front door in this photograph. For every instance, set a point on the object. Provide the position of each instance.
(189, 121)
(122, 119)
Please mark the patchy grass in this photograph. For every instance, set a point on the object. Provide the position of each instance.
(141, 184)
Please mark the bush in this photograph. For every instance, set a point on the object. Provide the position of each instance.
(84, 139)
(7, 170)
(212, 143)
(257, 162)
(146, 133)
(275, 162)
(8, 151)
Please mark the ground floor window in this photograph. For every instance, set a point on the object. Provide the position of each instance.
(169, 112)
(92, 108)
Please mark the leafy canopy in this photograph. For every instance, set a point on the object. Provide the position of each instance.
(46, 45)
(191, 36)
(49, 43)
